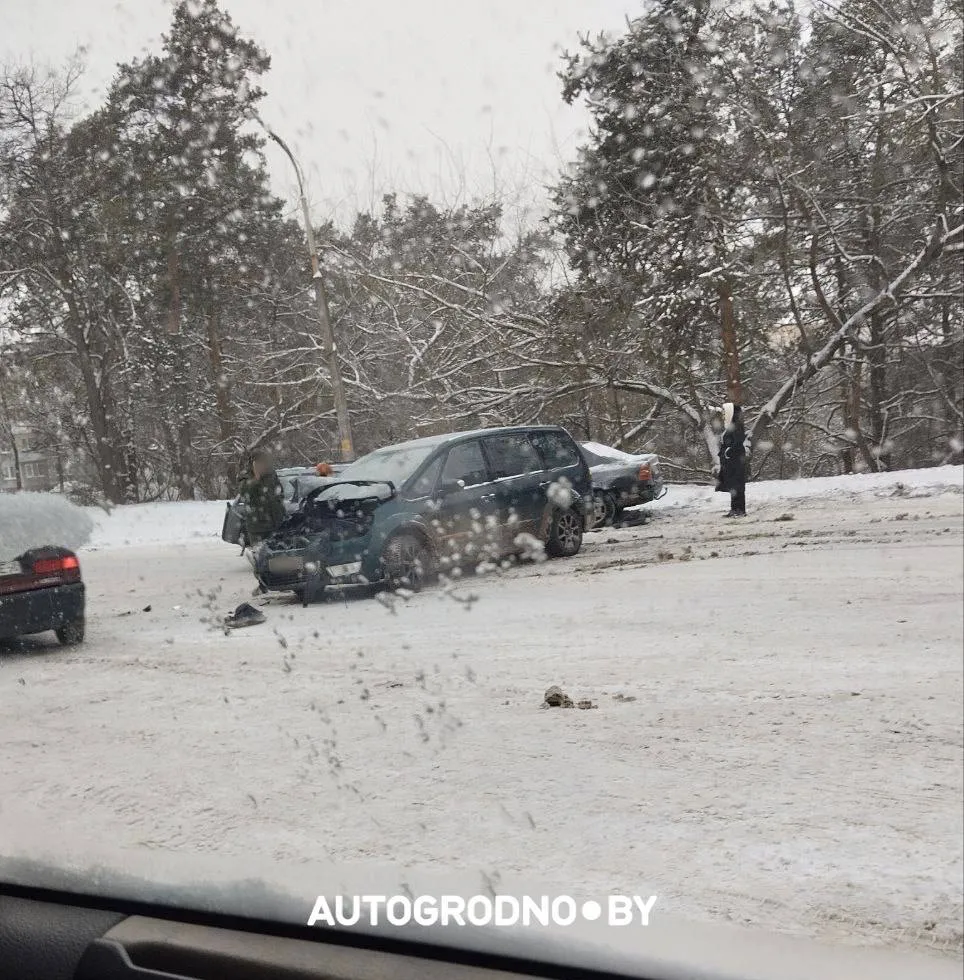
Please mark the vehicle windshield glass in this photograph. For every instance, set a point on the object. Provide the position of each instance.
(394, 466)
(520, 439)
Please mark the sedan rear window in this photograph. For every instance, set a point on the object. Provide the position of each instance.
(592, 459)
(606, 454)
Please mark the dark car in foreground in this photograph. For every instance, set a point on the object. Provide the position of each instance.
(399, 515)
(296, 482)
(620, 480)
(42, 590)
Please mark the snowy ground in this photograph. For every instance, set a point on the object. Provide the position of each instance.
(791, 756)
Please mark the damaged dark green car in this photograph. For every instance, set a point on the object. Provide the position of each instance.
(399, 516)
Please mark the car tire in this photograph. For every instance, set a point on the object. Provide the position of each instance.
(71, 634)
(407, 562)
(611, 508)
(565, 534)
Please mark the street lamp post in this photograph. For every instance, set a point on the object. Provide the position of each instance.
(324, 317)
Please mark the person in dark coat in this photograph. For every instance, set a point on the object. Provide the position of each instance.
(732, 476)
(263, 496)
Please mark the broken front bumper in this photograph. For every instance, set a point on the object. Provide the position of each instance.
(304, 569)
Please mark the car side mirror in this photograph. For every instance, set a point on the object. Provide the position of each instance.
(450, 486)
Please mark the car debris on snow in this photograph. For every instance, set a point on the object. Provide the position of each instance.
(244, 615)
(130, 612)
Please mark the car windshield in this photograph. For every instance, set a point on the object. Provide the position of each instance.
(393, 466)
(447, 264)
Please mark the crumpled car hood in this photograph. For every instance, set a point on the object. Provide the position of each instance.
(347, 492)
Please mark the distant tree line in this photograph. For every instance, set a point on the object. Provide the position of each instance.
(768, 208)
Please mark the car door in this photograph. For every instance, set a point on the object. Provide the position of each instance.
(466, 514)
(520, 480)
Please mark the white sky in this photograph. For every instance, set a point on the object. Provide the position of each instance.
(449, 97)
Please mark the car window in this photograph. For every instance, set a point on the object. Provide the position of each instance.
(557, 449)
(512, 455)
(425, 483)
(393, 465)
(465, 462)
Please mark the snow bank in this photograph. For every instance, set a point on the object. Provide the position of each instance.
(909, 483)
(163, 523)
(180, 523)
(30, 520)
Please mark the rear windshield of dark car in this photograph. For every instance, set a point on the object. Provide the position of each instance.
(592, 459)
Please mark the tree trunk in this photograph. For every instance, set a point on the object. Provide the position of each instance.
(8, 425)
(222, 393)
(877, 360)
(183, 459)
(851, 413)
(17, 472)
(877, 353)
(731, 352)
(100, 406)
(617, 411)
(848, 457)
(174, 285)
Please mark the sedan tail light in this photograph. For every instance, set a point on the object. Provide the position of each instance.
(645, 473)
(54, 566)
(54, 570)
(30, 572)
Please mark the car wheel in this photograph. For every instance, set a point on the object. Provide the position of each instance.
(406, 562)
(565, 534)
(71, 634)
(611, 508)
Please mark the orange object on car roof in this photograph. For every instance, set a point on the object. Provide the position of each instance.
(324, 469)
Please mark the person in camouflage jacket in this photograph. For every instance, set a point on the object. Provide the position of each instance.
(263, 498)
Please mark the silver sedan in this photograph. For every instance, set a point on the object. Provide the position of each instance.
(620, 480)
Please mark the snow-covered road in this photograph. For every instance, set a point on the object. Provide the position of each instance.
(777, 737)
